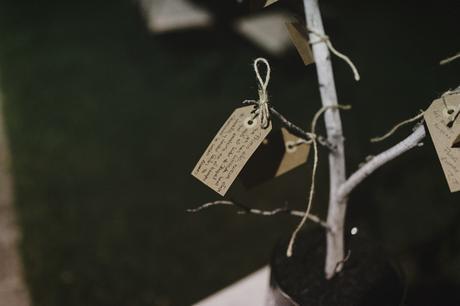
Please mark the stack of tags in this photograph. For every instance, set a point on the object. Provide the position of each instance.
(444, 127)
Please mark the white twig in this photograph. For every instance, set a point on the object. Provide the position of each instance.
(377, 161)
(337, 206)
(247, 210)
(206, 205)
(450, 59)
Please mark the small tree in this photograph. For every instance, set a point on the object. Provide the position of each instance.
(340, 185)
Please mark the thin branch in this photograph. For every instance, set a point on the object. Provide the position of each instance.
(294, 129)
(247, 210)
(291, 127)
(297, 131)
(376, 162)
(450, 59)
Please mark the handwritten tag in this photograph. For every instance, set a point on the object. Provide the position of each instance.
(279, 153)
(437, 118)
(456, 143)
(230, 149)
(299, 38)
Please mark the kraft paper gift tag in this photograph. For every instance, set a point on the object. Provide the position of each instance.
(456, 143)
(279, 153)
(296, 153)
(269, 2)
(170, 15)
(455, 119)
(299, 37)
(266, 31)
(231, 148)
(255, 4)
(438, 119)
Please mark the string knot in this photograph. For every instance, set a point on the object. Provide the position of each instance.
(262, 108)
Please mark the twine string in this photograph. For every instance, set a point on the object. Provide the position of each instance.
(314, 141)
(327, 40)
(322, 110)
(300, 142)
(310, 197)
(262, 107)
(452, 117)
(451, 112)
(397, 126)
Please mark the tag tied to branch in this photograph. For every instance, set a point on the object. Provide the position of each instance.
(237, 140)
(279, 153)
(299, 37)
(444, 129)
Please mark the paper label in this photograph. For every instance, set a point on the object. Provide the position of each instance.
(455, 118)
(258, 4)
(437, 118)
(269, 2)
(299, 37)
(279, 153)
(296, 154)
(230, 149)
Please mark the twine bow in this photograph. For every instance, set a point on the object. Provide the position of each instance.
(262, 108)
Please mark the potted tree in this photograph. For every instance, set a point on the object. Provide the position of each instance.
(331, 266)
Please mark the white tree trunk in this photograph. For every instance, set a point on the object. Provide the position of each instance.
(337, 205)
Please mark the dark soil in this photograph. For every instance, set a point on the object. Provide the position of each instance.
(368, 277)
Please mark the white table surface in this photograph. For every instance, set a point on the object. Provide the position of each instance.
(249, 291)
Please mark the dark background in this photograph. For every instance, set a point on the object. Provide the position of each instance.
(106, 121)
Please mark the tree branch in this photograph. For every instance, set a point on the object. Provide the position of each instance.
(247, 210)
(297, 131)
(291, 127)
(294, 129)
(376, 162)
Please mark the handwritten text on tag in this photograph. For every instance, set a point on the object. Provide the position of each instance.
(230, 149)
(443, 135)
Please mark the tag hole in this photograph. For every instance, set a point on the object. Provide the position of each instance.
(250, 122)
(450, 111)
(290, 147)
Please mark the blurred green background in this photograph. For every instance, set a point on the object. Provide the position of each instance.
(106, 121)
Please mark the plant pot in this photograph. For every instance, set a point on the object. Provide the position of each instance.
(368, 277)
